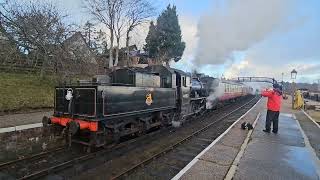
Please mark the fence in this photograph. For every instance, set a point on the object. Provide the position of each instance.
(19, 66)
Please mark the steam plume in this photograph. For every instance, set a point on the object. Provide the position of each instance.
(236, 26)
(214, 96)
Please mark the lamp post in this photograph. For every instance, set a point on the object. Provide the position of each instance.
(293, 77)
(282, 84)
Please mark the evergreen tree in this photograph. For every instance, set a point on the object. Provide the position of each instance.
(152, 42)
(101, 42)
(89, 31)
(168, 45)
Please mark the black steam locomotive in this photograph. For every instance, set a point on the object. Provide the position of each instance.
(132, 101)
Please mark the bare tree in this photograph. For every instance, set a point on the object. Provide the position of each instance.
(138, 12)
(35, 27)
(120, 23)
(104, 11)
(119, 16)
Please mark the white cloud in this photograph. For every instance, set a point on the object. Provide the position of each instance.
(293, 47)
(306, 72)
(238, 26)
(189, 31)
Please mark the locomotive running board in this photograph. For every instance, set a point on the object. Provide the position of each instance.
(112, 116)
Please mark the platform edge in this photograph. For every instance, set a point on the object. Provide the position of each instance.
(196, 159)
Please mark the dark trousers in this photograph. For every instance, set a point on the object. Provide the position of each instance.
(272, 116)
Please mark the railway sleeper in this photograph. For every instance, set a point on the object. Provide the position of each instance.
(191, 148)
(172, 162)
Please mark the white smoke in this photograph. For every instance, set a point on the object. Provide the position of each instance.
(258, 87)
(218, 91)
(214, 96)
(237, 26)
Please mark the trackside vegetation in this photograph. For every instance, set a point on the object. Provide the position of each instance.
(25, 91)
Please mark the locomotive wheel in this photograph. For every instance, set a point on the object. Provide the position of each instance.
(108, 138)
(73, 127)
(67, 138)
(88, 149)
(116, 136)
(141, 133)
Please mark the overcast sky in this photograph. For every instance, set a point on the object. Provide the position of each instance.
(240, 37)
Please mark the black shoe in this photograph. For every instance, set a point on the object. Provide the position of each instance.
(243, 125)
(275, 132)
(266, 131)
(249, 126)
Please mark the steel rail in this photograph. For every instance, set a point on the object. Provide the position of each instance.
(35, 156)
(172, 147)
(41, 173)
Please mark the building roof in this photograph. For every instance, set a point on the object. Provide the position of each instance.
(76, 45)
(76, 36)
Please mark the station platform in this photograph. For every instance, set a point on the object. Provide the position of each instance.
(312, 102)
(13, 120)
(293, 153)
(312, 108)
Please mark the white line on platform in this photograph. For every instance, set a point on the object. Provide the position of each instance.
(287, 115)
(196, 159)
(19, 128)
(310, 118)
(315, 159)
(243, 147)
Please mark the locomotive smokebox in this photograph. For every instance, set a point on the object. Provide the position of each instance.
(73, 127)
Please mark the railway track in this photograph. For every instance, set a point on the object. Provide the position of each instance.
(44, 163)
(30, 158)
(167, 163)
(23, 168)
(73, 166)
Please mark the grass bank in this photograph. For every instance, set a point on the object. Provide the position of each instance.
(25, 91)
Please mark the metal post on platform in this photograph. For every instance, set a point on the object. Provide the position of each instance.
(293, 77)
(282, 84)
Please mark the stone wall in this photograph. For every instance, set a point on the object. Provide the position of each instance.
(17, 144)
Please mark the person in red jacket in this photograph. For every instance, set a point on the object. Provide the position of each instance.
(274, 103)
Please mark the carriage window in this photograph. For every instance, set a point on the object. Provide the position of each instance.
(187, 81)
(163, 82)
(166, 82)
(184, 82)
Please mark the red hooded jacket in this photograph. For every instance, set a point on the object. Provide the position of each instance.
(274, 99)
